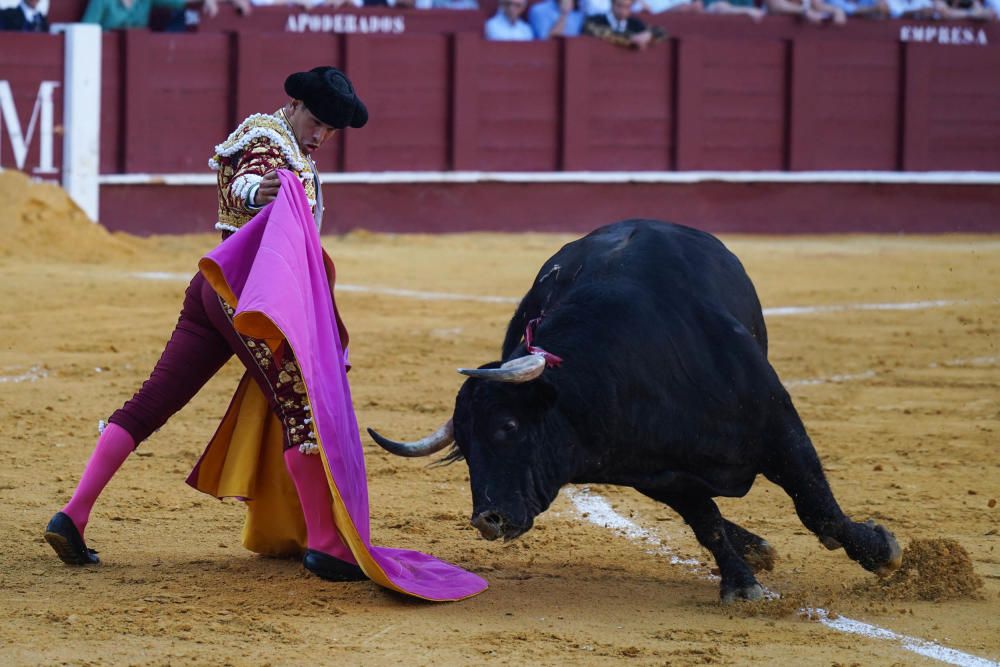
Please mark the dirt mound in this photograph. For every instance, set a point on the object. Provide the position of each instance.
(40, 221)
(937, 569)
(775, 607)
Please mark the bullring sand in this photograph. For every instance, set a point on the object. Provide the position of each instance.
(903, 405)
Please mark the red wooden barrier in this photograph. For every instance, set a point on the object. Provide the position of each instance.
(781, 96)
(112, 104)
(618, 110)
(507, 110)
(845, 105)
(731, 112)
(772, 208)
(952, 111)
(178, 103)
(405, 85)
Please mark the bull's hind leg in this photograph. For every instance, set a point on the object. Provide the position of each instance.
(702, 514)
(795, 467)
(756, 551)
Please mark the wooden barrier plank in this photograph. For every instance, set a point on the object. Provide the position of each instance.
(465, 101)
(690, 123)
(518, 106)
(112, 104)
(574, 148)
(845, 99)
(182, 82)
(915, 109)
(804, 112)
(617, 107)
(844, 105)
(963, 110)
(404, 82)
(741, 102)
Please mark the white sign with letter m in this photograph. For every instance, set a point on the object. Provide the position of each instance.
(42, 119)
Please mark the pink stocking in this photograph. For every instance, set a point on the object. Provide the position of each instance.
(307, 472)
(113, 447)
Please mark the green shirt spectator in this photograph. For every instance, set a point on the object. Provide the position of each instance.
(126, 14)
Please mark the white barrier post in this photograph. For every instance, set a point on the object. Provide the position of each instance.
(82, 116)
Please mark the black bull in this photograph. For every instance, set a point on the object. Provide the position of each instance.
(663, 385)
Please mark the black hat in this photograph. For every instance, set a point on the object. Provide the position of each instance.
(329, 95)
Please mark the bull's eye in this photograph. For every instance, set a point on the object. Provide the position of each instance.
(507, 431)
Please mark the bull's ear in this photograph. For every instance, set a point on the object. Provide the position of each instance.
(454, 454)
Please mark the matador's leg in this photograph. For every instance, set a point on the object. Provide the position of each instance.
(194, 353)
(281, 381)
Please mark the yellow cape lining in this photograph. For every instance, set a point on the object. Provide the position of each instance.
(245, 460)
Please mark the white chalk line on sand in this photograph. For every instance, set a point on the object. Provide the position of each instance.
(364, 289)
(31, 375)
(597, 510)
(779, 311)
(869, 374)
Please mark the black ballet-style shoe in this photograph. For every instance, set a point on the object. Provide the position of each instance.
(327, 567)
(67, 542)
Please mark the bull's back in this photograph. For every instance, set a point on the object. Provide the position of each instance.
(669, 261)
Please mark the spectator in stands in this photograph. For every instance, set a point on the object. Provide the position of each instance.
(126, 14)
(26, 17)
(591, 7)
(744, 7)
(660, 6)
(911, 9)
(813, 11)
(830, 11)
(400, 4)
(455, 4)
(963, 10)
(619, 27)
(862, 8)
(507, 24)
(560, 18)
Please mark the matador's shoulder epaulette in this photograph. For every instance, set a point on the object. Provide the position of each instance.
(260, 125)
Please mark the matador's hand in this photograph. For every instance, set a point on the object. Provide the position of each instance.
(267, 191)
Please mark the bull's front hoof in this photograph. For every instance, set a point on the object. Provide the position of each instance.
(760, 556)
(877, 550)
(895, 558)
(728, 595)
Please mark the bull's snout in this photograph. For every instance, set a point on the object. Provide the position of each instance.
(489, 524)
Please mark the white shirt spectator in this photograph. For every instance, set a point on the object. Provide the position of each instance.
(30, 13)
(500, 28)
(591, 7)
(658, 6)
(897, 8)
(43, 5)
(307, 3)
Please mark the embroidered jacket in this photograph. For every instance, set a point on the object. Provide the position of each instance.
(608, 28)
(261, 143)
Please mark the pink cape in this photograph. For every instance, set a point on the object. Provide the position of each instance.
(274, 270)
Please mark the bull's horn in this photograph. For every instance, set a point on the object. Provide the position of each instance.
(435, 442)
(522, 369)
